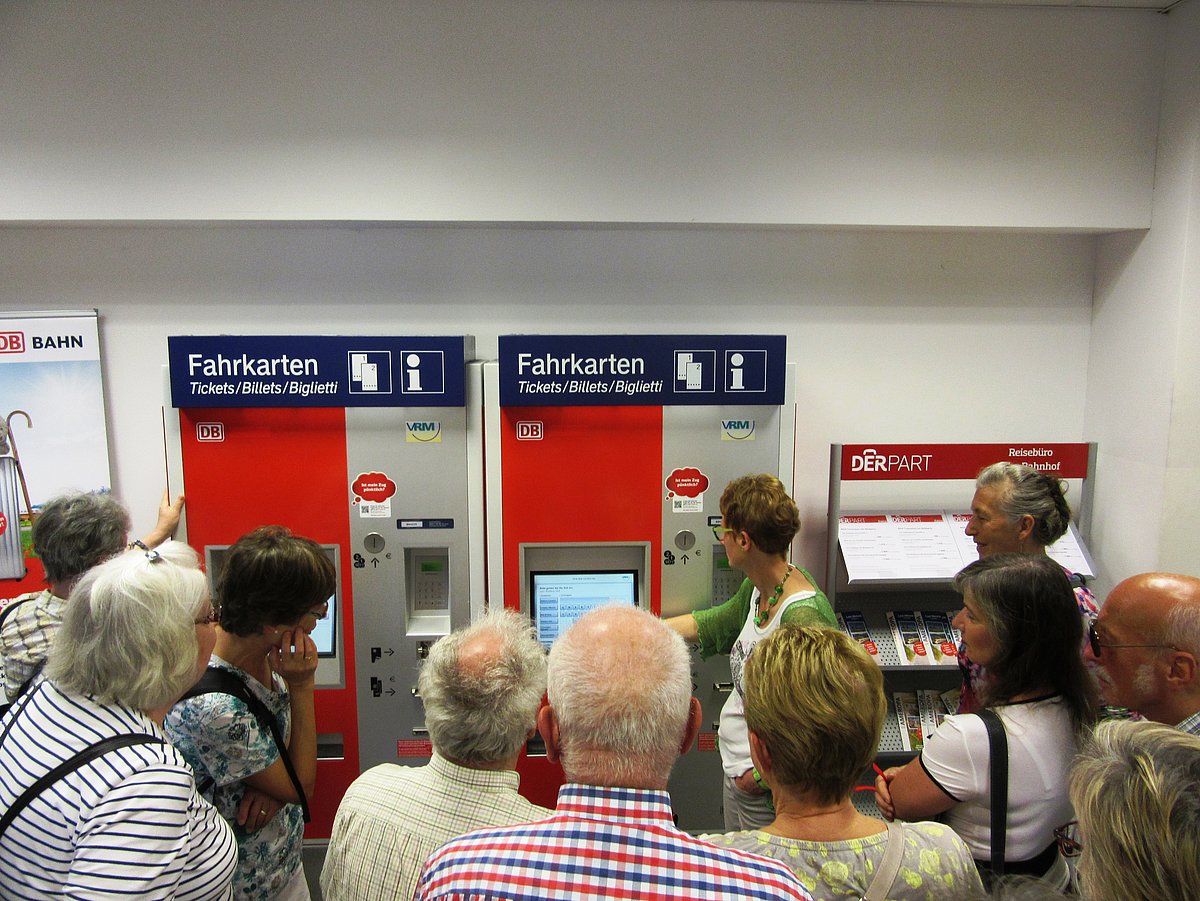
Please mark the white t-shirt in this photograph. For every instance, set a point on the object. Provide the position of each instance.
(1041, 745)
(735, 738)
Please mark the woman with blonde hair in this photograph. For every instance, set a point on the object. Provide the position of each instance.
(1136, 790)
(815, 708)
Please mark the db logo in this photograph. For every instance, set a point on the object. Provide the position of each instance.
(529, 431)
(12, 342)
(3, 523)
(210, 431)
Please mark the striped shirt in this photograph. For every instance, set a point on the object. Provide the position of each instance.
(602, 843)
(128, 824)
(393, 817)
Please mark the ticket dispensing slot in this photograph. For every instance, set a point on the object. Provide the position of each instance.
(427, 589)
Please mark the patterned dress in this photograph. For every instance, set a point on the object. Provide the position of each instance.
(221, 740)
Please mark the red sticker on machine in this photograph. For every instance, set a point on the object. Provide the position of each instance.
(685, 490)
(372, 495)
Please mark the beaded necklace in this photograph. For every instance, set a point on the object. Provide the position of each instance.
(761, 616)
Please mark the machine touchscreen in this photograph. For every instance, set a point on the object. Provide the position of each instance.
(558, 599)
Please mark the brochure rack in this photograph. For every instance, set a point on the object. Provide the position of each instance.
(886, 567)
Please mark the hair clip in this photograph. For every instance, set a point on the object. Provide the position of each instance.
(153, 555)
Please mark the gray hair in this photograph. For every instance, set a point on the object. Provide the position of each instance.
(128, 633)
(1181, 628)
(620, 684)
(73, 532)
(1136, 790)
(1026, 492)
(480, 710)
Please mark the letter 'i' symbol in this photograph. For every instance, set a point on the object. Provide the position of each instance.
(737, 374)
(412, 372)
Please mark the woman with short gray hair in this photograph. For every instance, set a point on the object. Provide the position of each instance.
(71, 534)
(1016, 509)
(136, 633)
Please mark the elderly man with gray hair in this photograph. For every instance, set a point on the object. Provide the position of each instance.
(620, 713)
(481, 687)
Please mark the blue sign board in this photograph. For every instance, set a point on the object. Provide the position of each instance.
(318, 371)
(642, 370)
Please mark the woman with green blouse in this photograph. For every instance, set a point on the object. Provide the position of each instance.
(758, 522)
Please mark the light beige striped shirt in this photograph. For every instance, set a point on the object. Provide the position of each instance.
(393, 817)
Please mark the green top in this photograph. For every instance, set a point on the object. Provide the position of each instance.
(719, 627)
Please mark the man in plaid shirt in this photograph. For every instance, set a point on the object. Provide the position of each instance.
(620, 712)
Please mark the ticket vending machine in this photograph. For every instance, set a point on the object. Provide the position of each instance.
(372, 447)
(606, 460)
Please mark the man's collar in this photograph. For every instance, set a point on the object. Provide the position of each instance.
(631, 805)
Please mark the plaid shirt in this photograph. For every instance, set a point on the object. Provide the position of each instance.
(25, 637)
(601, 843)
(393, 817)
(1191, 725)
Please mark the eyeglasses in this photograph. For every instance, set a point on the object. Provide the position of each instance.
(214, 617)
(319, 613)
(1068, 845)
(1096, 646)
(719, 532)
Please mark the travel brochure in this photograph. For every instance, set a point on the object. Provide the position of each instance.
(920, 637)
(925, 547)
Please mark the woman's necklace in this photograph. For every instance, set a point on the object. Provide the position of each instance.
(763, 613)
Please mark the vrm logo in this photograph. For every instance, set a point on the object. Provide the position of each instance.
(12, 342)
(737, 429)
(529, 431)
(210, 431)
(423, 432)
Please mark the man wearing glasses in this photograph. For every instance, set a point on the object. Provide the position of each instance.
(1147, 643)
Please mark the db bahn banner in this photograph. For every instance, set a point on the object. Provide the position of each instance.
(53, 435)
(880, 462)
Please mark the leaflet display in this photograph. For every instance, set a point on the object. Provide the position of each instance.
(558, 599)
(926, 546)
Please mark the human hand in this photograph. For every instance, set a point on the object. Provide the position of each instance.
(168, 520)
(883, 792)
(257, 809)
(747, 783)
(295, 658)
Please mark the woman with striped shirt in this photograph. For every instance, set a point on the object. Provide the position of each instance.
(137, 632)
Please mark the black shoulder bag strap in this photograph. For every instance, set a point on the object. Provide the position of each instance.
(221, 681)
(998, 751)
(73, 763)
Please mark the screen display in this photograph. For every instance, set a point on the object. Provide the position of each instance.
(558, 599)
(324, 634)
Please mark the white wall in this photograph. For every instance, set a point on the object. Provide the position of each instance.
(900, 336)
(1143, 402)
(676, 111)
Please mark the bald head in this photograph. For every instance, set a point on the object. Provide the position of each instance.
(1149, 630)
(619, 684)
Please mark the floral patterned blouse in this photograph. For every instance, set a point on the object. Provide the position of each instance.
(221, 740)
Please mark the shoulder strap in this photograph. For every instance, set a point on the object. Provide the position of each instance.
(221, 681)
(73, 763)
(11, 607)
(889, 866)
(998, 751)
